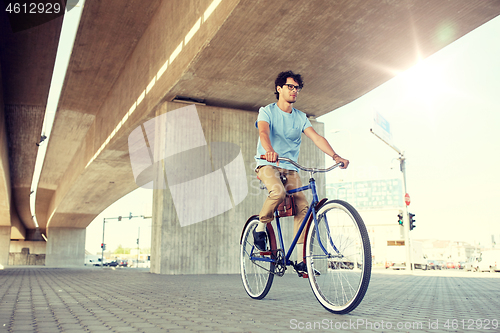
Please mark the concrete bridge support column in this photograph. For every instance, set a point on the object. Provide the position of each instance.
(212, 245)
(4, 245)
(65, 247)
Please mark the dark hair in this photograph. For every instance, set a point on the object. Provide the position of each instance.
(281, 80)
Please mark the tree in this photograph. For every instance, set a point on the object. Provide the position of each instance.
(121, 250)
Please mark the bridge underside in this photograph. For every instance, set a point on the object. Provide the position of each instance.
(131, 57)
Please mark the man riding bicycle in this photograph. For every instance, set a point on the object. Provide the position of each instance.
(280, 129)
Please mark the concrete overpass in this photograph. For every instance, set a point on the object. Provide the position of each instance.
(132, 59)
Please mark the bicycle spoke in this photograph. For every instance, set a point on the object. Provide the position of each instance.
(345, 269)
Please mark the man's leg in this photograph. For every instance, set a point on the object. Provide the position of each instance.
(270, 176)
(293, 181)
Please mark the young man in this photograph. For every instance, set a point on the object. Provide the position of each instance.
(280, 129)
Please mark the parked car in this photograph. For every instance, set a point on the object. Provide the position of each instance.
(489, 261)
(113, 263)
(92, 260)
(144, 264)
(471, 264)
(451, 265)
(123, 263)
(434, 264)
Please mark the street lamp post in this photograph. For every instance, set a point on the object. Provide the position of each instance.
(406, 221)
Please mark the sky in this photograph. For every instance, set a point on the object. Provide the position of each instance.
(443, 114)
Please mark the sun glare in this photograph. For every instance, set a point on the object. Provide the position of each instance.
(424, 83)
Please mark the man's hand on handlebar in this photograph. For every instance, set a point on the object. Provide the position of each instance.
(272, 156)
(339, 159)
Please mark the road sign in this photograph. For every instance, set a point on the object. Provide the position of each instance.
(382, 122)
(407, 199)
(382, 130)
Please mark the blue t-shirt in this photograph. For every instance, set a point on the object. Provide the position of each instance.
(285, 134)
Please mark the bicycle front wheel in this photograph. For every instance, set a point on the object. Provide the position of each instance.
(257, 271)
(338, 248)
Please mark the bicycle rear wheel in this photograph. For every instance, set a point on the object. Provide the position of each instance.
(257, 275)
(339, 249)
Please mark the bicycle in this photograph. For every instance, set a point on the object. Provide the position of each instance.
(337, 249)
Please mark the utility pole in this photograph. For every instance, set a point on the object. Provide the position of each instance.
(102, 244)
(138, 249)
(406, 220)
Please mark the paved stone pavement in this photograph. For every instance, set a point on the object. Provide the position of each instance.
(39, 299)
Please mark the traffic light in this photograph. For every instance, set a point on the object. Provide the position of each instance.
(119, 218)
(412, 221)
(103, 246)
(130, 216)
(400, 218)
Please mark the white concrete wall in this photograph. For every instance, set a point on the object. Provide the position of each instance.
(4, 245)
(38, 247)
(212, 246)
(65, 247)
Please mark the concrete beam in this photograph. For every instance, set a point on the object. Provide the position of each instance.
(5, 185)
(18, 228)
(343, 49)
(27, 58)
(99, 172)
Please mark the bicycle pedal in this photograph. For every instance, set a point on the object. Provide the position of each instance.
(302, 275)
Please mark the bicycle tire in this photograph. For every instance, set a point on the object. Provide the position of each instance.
(344, 275)
(257, 276)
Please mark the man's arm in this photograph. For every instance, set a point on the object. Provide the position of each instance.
(271, 155)
(323, 144)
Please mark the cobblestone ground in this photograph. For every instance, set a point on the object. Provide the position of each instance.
(130, 300)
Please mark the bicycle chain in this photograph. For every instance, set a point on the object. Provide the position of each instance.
(279, 266)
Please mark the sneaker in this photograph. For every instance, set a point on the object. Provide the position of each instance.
(259, 240)
(301, 269)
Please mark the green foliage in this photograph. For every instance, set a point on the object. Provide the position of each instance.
(121, 250)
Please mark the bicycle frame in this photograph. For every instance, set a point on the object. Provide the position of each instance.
(312, 210)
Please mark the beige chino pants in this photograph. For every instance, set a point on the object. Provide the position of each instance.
(270, 176)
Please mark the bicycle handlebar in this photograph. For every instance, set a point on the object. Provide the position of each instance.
(313, 170)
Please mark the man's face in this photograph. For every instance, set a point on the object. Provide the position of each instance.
(285, 93)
